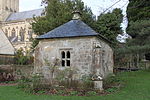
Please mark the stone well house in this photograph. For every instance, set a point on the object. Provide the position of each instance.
(76, 45)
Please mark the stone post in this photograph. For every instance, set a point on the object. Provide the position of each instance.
(98, 85)
(98, 82)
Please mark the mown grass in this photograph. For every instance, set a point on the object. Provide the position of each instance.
(136, 87)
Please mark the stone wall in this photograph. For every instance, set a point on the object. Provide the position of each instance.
(6, 59)
(7, 7)
(86, 55)
(18, 27)
(14, 72)
(102, 58)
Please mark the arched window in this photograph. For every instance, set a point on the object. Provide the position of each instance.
(30, 33)
(68, 54)
(6, 32)
(63, 54)
(65, 57)
(22, 33)
(13, 37)
(13, 33)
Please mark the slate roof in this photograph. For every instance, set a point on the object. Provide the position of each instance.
(73, 28)
(6, 47)
(25, 15)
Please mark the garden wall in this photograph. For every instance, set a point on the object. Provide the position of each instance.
(6, 59)
(14, 72)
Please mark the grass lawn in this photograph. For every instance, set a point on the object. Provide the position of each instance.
(137, 87)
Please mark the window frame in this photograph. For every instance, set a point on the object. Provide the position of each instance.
(22, 34)
(66, 58)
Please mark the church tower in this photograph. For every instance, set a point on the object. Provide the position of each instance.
(7, 7)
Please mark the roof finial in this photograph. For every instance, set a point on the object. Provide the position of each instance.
(76, 14)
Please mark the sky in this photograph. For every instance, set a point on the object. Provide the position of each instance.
(29, 5)
(97, 6)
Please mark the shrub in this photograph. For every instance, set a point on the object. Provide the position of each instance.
(34, 84)
(91, 93)
(23, 58)
(112, 83)
(111, 79)
(61, 92)
(113, 89)
(87, 82)
(74, 93)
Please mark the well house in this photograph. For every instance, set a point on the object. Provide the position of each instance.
(77, 46)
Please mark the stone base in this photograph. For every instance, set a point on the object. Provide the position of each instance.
(98, 85)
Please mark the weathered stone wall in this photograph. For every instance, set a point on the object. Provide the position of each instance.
(7, 7)
(86, 55)
(6, 59)
(18, 26)
(14, 72)
(103, 57)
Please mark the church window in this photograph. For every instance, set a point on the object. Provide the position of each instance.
(22, 33)
(6, 32)
(13, 36)
(65, 58)
(13, 33)
(30, 33)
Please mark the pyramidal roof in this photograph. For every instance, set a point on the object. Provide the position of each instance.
(6, 47)
(73, 28)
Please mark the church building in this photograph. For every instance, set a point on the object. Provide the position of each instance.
(17, 25)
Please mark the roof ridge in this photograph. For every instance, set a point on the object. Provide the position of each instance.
(24, 15)
(29, 10)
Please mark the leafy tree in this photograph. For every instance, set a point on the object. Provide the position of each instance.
(138, 14)
(59, 12)
(138, 10)
(109, 24)
(139, 24)
(21, 58)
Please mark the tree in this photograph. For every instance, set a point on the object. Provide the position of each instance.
(138, 14)
(59, 12)
(109, 24)
(139, 25)
(138, 10)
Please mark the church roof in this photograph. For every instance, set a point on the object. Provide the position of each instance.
(25, 15)
(6, 47)
(73, 28)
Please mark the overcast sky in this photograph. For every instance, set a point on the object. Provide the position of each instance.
(97, 6)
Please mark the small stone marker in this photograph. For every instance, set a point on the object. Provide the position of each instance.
(98, 82)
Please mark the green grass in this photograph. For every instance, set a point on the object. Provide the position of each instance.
(137, 87)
